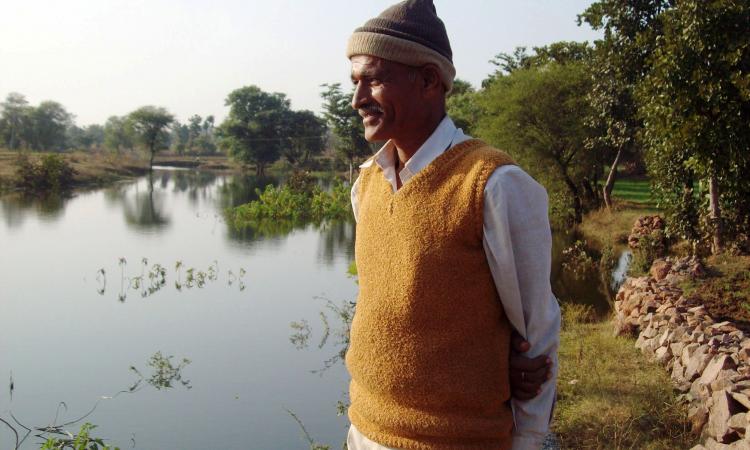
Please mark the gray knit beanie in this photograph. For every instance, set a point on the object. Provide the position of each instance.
(410, 33)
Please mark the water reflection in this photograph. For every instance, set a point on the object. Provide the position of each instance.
(15, 208)
(145, 210)
(341, 315)
(153, 278)
(240, 189)
(337, 239)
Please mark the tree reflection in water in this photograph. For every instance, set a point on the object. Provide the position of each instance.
(16, 207)
(146, 209)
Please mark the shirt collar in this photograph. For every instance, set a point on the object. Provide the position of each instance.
(439, 141)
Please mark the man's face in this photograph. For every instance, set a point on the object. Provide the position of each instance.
(386, 95)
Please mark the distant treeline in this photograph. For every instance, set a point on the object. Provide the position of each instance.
(666, 92)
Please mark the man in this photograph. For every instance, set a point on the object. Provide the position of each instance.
(453, 253)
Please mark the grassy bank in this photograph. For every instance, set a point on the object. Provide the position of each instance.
(609, 396)
(602, 228)
(725, 289)
(97, 169)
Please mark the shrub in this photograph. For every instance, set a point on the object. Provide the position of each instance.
(52, 174)
(293, 204)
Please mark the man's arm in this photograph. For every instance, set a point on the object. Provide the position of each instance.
(518, 244)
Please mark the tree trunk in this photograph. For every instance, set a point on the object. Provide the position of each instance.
(610, 184)
(351, 170)
(715, 214)
(577, 204)
(151, 160)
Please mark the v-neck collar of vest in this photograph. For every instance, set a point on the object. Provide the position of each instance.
(434, 165)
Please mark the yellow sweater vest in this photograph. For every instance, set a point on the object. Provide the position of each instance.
(430, 342)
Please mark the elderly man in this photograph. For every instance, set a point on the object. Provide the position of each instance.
(453, 252)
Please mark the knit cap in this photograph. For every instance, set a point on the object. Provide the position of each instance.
(409, 33)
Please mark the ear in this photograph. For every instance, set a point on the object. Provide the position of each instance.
(432, 84)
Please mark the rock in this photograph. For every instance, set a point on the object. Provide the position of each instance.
(738, 422)
(724, 407)
(660, 269)
(697, 362)
(715, 366)
(662, 355)
(742, 399)
(698, 417)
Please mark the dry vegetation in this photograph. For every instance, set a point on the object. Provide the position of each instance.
(99, 168)
(609, 396)
(603, 227)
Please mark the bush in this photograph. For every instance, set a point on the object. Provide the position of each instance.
(52, 174)
(295, 202)
(650, 247)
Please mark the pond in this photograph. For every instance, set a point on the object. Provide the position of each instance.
(138, 301)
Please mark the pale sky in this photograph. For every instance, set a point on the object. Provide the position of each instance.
(108, 57)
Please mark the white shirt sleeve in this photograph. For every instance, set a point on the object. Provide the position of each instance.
(518, 243)
(355, 203)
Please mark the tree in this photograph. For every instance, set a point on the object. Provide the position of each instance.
(695, 103)
(84, 138)
(461, 105)
(118, 134)
(255, 129)
(50, 122)
(150, 125)
(179, 137)
(562, 52)
(620, 62)
(307, 135)
(15, 114)
(537, 115)
(345, 123)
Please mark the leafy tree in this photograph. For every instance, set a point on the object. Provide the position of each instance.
(695, 103)
(345, 123)
(537, 115)
(562, 52)
(50, 122)
(150, 125)
(306, 137)
(621, 59)
(84, 138)
(118, 134)
(255, 129)
(205, 142)
(461, 105)
(179, 137)
(14, 116)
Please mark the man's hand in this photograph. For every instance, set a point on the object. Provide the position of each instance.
(527, 375)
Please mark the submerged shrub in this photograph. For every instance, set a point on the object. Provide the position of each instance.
(293, 204)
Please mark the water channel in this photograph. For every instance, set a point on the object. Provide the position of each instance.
(139, 301)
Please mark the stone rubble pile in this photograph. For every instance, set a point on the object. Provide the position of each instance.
(648, 226)
(709, 361)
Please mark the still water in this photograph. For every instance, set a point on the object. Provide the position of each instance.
(75, 317)
(140, 301)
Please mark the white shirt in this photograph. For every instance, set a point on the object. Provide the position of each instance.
(518, 244)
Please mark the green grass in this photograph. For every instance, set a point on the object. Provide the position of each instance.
(609, 396)
(634, 190)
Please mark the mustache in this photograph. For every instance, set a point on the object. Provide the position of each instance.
(370, 109)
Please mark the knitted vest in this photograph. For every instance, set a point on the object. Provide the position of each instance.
(430, 342)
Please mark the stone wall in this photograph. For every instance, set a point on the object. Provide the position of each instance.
(709, 361)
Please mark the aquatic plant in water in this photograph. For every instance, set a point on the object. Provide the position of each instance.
(153, 278)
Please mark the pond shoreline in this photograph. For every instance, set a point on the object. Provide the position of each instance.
(95, 170)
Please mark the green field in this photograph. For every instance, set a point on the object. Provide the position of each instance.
(636, 190)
